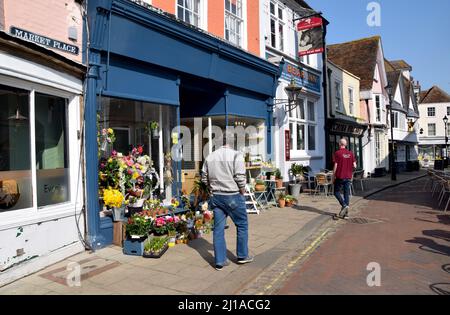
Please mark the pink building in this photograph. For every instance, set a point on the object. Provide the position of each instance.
(59, 21)
(41, 87)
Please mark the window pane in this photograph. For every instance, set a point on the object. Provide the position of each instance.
(281, 36)
(227, 5)
(52, 167)
(311, 138)
(280, 13)
(301, 109)
(272, 8)
(180, 2)
(15, 157)
(272, 33)
(300, 137)
(311, 113)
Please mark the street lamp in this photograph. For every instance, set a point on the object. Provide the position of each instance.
(445, 119)
(293, 92)
(391, 145)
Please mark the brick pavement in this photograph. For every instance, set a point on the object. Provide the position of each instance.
(410, 243)
(186, 269)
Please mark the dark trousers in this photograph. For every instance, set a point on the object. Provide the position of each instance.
(338, 185)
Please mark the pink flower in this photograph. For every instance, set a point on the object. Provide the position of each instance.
(114, 153)
(129, 162)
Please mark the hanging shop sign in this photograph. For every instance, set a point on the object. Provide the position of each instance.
(287, 145)
(302, 77)
(310, 36)
(44, 41)
(349, 129)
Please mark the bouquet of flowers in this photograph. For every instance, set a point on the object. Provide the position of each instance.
(113, 198)
(138, 225)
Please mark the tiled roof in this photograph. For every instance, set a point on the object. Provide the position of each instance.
(358, 57)
(434, 95)
(400, 65)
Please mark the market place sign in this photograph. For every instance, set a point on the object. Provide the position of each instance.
(44, 41)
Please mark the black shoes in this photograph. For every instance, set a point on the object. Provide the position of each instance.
(220, 267)
(245, 260)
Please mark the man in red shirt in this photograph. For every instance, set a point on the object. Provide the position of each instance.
(344, 163)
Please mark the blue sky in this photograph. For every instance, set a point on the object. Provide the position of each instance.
(413, 30)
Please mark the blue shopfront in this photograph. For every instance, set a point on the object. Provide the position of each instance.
(144, 67)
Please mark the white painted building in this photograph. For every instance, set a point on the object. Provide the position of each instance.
(298, 134)
(405, 114)
(434, 105)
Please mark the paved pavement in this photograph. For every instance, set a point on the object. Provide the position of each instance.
(407, 237)
(275, 236)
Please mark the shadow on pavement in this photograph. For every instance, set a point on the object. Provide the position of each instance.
(314, 210)
(430, 245)
(440, 288)
(204, 248)
(439, 234)
(446, 268)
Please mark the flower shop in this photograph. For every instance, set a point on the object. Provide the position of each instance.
(147, 73)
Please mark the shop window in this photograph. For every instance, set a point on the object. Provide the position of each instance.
(50, 148)
(234, 22)
(131, 122)
(189, 11)
(15, 157)
(52, 167)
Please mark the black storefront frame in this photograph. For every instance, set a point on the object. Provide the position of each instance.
(331, 149)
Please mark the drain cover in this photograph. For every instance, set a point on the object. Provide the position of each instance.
(363, 221)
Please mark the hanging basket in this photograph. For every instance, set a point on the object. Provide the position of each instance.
(118, 214)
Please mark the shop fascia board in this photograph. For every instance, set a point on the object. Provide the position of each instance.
(175, 29)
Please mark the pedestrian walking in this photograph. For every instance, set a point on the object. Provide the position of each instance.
(224, 172)
(344, 163)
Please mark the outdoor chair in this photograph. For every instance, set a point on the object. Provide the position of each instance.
(325, 181)
(358, 177)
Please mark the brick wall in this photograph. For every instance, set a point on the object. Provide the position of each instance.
(50, 18)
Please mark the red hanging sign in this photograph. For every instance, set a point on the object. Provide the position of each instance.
(310, 36)
(287, 145)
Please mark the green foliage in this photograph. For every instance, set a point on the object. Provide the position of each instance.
(297, 169)
(155, 244)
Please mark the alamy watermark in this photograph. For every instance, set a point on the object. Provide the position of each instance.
(374, 17)
(73, 279)
(374, 277)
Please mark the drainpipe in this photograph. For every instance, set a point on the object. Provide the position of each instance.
(325, 89)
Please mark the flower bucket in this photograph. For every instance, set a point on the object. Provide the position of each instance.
(118, 214)
(295, 189)
(155, 133)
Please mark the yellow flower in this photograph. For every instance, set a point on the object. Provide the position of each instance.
(110, 131)
(110, 160)
(113, 198)
(135, 175)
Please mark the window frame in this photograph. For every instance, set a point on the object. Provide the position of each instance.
(378, 109)
(351, 100)
(35, 214)
(294, 121)
(428, 129)
(338, 96)
(200, 13)
(240, 23)
(433, 114)
(280, 40)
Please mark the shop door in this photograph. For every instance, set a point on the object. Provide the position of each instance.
(190, 169)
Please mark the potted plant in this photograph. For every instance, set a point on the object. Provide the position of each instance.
(137, 229)
(278, 178)
(282, 200)
(296, 171)
(154, 127)
(290, 200)
(200, 191)
(155, 247)
(260, 185)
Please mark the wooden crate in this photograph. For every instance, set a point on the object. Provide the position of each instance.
(118, 233)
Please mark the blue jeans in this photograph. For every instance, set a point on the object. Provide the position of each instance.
(342, 183)
(233, 206)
